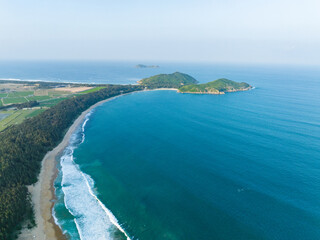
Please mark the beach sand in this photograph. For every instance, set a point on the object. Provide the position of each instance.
(42, 192)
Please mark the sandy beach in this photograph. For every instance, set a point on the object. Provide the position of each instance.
(42, 192)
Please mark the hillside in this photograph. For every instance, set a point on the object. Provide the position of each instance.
(174, 80)
(219, 86)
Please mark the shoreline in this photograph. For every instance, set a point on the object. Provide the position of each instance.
(43, 192)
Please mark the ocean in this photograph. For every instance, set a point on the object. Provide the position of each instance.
(164, 165)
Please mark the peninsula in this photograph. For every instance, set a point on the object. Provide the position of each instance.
(184, 83)
(219, 86)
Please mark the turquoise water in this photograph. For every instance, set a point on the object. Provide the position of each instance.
(165, 165)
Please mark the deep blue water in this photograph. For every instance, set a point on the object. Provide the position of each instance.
(179, 166)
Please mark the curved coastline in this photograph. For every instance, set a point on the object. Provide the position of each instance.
(43, 192)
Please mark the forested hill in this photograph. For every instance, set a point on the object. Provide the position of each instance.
(218, 86)
(174, 80)
(23, 146)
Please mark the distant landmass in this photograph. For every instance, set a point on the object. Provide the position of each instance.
(184, 83)
(219, 86)
(174, 80)
(146, 66)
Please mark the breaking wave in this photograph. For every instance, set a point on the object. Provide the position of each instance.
(93, 220)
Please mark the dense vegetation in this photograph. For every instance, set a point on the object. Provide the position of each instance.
(174, 80)
(23, 146)
(27, 105)
(216, 87)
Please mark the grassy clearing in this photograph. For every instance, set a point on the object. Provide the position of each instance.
(3, 95)
(20, 94)
(92, 90)
(13, 100)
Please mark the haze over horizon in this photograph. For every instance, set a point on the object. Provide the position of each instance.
(280, 32)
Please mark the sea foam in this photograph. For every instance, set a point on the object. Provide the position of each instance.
(93, 220)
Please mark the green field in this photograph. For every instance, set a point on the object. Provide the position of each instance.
(13, 100)
(15, 97)
(20, 94)
(26, 96)
(47, 99)
(38, 98)
(18, 116)
(92, 90)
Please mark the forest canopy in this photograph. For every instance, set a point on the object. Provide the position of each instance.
(174, 80)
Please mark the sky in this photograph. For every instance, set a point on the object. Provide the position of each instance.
(224, 31)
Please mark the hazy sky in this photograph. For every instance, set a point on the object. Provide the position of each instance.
(272, 31)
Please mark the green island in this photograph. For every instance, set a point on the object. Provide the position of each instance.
(219, 86)
(174, 80)
(184, 83)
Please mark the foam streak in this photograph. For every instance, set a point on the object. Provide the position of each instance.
(93, 220)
